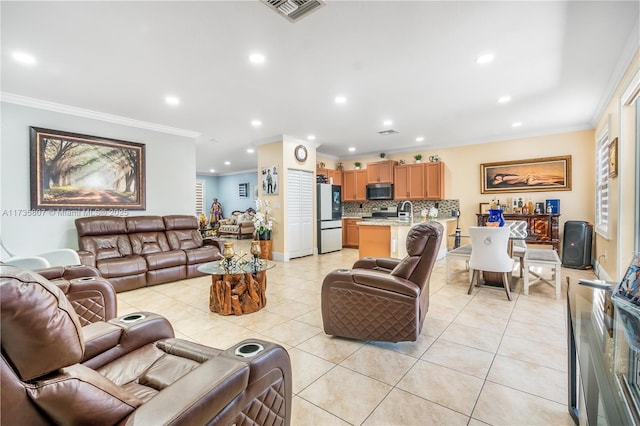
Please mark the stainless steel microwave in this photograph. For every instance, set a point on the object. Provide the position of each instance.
(380, 191)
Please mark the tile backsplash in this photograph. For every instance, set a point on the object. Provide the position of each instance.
(366, 208)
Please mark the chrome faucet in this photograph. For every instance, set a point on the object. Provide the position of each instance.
(404, 203)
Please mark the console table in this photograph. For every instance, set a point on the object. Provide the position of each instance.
(542, 228)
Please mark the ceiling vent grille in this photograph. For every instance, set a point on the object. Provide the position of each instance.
(293, 10)
(388, 132)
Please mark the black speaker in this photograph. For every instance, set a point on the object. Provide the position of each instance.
(576, 244)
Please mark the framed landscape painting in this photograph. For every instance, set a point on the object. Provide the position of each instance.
(73, 171)
(537, 174)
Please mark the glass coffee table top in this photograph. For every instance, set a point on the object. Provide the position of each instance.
(215, 268)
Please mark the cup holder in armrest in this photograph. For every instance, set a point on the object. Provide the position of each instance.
(128, 319)
(87, 279)
(249, 349)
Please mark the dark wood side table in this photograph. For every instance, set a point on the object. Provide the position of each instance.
(542, 228)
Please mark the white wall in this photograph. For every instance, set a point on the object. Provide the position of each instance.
(170, 176)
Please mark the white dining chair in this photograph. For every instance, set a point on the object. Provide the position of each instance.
(489, 252)
(518, 232)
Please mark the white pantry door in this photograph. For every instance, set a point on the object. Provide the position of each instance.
(299, 213)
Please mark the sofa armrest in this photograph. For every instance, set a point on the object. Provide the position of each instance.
(386, 264)
(373, 279)
(197, 397)
(215, 242)
(138, 329)
(93, 298)
(87, 258)
(99, 337)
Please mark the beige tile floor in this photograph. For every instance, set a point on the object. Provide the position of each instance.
(479, 360)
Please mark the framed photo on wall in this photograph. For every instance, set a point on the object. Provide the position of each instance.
(536, 174)
(74, 171)
(270, 180)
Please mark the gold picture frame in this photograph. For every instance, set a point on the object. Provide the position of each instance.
(75, 171)
(613, 158)
(483, 208)
(536, 174)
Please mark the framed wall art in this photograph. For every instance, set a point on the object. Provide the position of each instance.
(537, 174)
(613, 158)
(270, 180)
(74, 171)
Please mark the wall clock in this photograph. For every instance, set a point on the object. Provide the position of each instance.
(301, 153)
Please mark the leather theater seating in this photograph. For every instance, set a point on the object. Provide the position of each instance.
(383, 299)
(92, 297)
(127, 371)
(136, 251)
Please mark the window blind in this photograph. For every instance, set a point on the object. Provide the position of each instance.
(602, 184)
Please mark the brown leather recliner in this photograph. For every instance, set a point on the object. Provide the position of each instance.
(383, 299)
(128, 371)
(92, 297)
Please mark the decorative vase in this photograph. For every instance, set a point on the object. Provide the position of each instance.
(255, 249)
(495, 218)
(266, 235)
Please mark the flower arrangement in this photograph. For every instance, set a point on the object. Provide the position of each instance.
(262, 220)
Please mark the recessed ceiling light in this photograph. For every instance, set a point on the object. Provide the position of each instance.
(387, 123)
(517, 124)
(504, 99)
(172, 100)
(340, 99)
(485, 59)
(311, 137)
(256, 123)
(256, 58)
(419, 139)
(352, 149)
(227, 163)
(24, 58)
(212, 170)
(251, 150)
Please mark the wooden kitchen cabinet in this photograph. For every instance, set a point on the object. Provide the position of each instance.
(350, 236)
(434, 181)
(354, 185)
(381, 171)
(335, 174)
(409, 182)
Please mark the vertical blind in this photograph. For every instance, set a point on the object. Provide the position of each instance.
(602, 184)
(199, 197)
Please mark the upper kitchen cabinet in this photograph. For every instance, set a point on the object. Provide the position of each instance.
(409, 182)
(354, 185)
(336, 175)
(434, 181)
(380, 171)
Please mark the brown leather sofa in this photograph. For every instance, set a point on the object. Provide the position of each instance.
(383, 299)
(128, 371)
(92, 297)
(133, 252)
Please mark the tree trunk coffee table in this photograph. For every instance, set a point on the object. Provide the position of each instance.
(239, 291)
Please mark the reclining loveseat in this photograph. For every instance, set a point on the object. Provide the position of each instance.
(127, 371)
(137, 251)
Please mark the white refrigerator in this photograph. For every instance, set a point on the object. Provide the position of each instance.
(329, 217)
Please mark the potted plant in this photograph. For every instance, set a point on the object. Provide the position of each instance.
(357, 164)
(418, 158)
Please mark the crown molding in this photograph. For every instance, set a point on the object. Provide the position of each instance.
(95, 115)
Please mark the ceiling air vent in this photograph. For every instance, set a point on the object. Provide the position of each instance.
(388, 132)
(293, 10)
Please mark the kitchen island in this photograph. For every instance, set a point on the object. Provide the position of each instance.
(388, 237)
